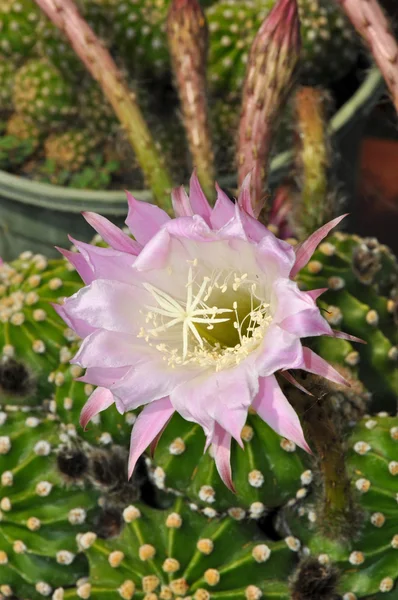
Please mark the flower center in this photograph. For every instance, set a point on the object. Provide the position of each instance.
(222, 319)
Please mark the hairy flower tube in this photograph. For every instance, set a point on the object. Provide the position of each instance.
(195, 315)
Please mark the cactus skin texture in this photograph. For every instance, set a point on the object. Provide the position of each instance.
(179, 553)
(40, 514)
(7, 72)
(265, 473)
(361, 275)
(18, 24)
(72, 149)
(31, 333)
(71, 395)
(41, 92)
(368, 563)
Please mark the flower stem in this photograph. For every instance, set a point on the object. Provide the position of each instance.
(188, 43)
(273, 58)
(98, 61)
(369, 20)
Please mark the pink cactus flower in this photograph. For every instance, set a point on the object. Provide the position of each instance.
(195, 315)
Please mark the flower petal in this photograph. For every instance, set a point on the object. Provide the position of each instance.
(313, 363)
(103, 377)
(155, 253)
(144, 219)
(223, 211)
(346, 336)
(305, 250)
(80, 263)
(221, 445)
(80, 327)
(106, 263)
(111, 234)
(108, 349)
(100, 400)
(244, 199)
(280, 350)
(147, 426)
(181, 204)
(198, 200)
(273, 407)
(315, 294)
(223, 397)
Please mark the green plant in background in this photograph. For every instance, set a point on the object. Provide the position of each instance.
(33, 339)
(18, 25)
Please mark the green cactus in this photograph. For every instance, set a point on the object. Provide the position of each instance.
(360, 274)
(23, 128)
(368, 563)
(69, 398)
(40, 513)
(33, 338)
(14, 151)
(41, 93)
(18, 24)
(53, 45)
(95, 111)
(325, 33)
(72, 149)
(265, 473)
(179, 553)
(7, 73)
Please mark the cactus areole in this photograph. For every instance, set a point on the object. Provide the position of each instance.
(196, 315)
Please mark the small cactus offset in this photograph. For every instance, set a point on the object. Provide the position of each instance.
(367, 563)
(18, 24)
(179, 553)
(42, 93)
(40, 512)
(361, 276)
(33, 339)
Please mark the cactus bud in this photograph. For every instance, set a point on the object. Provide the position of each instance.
(188, 42)
(272, 63)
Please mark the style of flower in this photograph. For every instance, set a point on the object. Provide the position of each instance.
(196, 315)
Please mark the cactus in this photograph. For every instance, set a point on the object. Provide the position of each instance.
(368, 562)
(72, 149)
(18, 23)
(71, 395)
(179, 553)
(23, 128)
(7, 72)
(40, 513)
(14, 151)
(325, 33)
(95, 111)
(265, 473)
(41, 93)
(33, 339)
(361, 275)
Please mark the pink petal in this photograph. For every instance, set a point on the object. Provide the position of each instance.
(305, 250)
(222, 455)
(110, 305)
(255, 230)
(80, 327)
(280, 350)
(346, 336)
(80, 263)
(223, 211)
(144, 219)
(155, 253)
(108, 349)
(106, 263)
(307, 323)
(148, 425)
(181, 204)
(273, 407)
(198, 200)
(245, 200)
(111, 234)
(192, 228)
(315, 294)
(102, 376)
(289, 377)
(99, 400)
(275, 256)
(317, 365)
(222, 398)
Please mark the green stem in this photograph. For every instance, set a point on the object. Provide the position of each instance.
(100, 64)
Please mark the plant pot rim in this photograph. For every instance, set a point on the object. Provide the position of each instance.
(74, 200)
